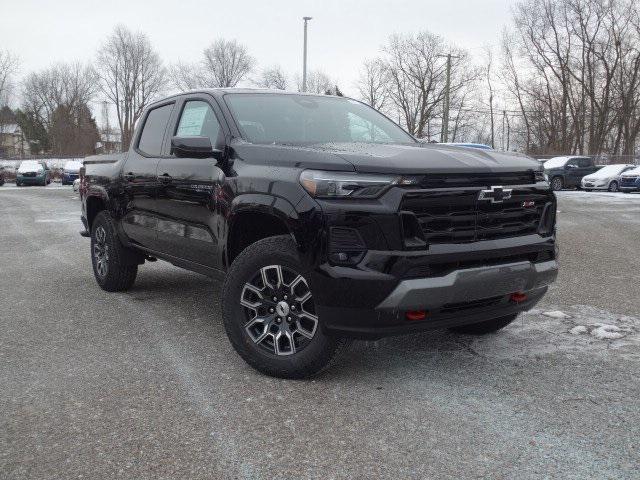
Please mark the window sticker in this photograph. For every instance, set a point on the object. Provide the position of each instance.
(192, 120)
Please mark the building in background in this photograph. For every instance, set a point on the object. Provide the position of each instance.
(109, 142)
(12, 141)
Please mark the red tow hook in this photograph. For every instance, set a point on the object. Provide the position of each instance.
(416, 315)
(518, 297)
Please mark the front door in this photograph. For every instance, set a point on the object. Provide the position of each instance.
(187, 191)
(140, 178)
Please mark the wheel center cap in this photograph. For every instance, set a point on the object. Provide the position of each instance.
(282, 309)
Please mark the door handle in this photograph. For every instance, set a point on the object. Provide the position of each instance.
(165, 178)
(129, 176)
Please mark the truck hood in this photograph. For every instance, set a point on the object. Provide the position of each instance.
(427, 158)
(405, 159)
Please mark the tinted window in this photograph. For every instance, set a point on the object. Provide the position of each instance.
(197, 120)
(153, 131)
(584, 162)
(299, 119)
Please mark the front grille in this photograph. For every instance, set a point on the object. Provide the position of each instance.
(457, 216)
(628, 180)
(443, 180)
(29, 174)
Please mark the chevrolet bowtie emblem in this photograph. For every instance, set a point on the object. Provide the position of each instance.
(495, 194)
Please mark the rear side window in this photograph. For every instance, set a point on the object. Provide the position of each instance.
(153, 131)
(584, 162)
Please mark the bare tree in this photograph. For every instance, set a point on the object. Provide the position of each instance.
(317, 82)
(58, 98)
(186, 76)
(417, 78)
(70, 86)
(8, 68)
(226, 63)
(489, 77)
(273, 77)
(131, 76)
(373, 84)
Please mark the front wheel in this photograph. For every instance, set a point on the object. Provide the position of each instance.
(488, 326)
(112, 272)
(556, 184)
(269, 312)
(613, 186)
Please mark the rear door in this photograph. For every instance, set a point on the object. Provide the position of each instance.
(187, 225)
(573, 173)
(140, 179)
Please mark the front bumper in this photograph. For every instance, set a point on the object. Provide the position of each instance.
(469, 285)
(37, 180)
(371, 301)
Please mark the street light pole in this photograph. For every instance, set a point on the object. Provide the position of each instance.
(304, 56)
(444, 136)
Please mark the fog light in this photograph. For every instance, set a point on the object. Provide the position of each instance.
(416, 315)
(518, 297)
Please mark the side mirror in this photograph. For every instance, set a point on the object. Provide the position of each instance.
(194, 147)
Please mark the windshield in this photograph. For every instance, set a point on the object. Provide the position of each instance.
(556, 162)
(300, 119)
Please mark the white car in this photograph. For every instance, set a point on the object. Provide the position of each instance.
(607, 178)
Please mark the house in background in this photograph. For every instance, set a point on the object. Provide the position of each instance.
(109, 143)
(12, 141)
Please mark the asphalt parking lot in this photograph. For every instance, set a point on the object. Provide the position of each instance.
(144, 384)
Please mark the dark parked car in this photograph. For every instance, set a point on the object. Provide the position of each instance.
(567, 172)
(320, 238)
(33, 172)
(630, 180)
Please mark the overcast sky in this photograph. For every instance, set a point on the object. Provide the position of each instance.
(341, 35)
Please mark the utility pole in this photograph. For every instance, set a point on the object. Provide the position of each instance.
(304, 55)
(444, 136)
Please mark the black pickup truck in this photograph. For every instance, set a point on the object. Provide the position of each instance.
(326, 220)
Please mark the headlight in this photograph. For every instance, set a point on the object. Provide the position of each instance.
(347, 184)
(540, 176)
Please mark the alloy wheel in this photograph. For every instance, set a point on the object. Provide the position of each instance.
(613, 187)
(101, 251)
(279, 310)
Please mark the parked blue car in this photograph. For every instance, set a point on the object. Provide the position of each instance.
(71, 172)
(630, 180)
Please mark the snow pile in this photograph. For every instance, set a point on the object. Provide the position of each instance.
(579, 328)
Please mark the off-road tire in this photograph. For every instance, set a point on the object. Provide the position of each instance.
(119, 275)
(488, 326)
(320, 350)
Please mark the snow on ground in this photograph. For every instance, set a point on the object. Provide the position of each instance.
(576, 328)
(51, 162)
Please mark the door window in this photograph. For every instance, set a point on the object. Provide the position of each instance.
(153, 131)
(198, 120)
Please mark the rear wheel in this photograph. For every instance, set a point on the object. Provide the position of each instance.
(488, 326)
(108, 254)
(613, 186)
(557, 183)
(268, 307)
